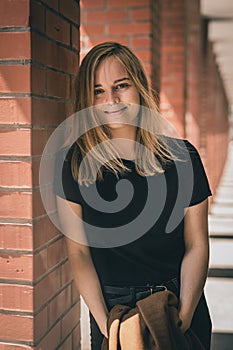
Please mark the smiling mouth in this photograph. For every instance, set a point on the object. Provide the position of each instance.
(117, 111)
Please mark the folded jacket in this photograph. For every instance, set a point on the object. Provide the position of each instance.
(153, 324)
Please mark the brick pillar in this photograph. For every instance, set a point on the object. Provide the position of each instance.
(192, 114)
(173, 87)
(39, 57)
(156, 46)
(132, 23)
(215, 111)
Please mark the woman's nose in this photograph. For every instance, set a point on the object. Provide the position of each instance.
(112, 98)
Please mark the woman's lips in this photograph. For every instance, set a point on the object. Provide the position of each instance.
(118, 111)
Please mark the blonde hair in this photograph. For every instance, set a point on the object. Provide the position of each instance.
(93, 134)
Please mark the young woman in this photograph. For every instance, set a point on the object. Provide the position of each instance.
(124, 120)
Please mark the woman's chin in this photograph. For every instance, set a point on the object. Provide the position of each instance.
(116, 125)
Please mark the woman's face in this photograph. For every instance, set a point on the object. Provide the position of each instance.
(116, 95)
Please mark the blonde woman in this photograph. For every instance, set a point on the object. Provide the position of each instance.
(122, 140)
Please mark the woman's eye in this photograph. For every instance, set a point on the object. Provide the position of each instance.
(98, 92)
(121, 86)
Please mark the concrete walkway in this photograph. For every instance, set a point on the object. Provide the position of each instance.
(219, 287)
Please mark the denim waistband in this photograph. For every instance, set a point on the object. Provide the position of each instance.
(172, 285)
(129, 295)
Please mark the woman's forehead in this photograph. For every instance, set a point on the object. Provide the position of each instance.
(110, 69)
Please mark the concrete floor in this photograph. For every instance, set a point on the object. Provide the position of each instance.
(219, 286)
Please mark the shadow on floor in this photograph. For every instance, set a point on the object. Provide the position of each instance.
(223, 341)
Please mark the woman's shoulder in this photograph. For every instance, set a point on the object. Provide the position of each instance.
(65, 154)
(180, 148)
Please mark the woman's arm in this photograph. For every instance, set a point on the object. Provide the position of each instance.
(83, 270)
(194, 266)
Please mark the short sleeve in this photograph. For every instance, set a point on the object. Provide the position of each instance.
(201, 188)
(64, 184)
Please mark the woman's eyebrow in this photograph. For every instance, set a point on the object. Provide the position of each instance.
(115, 81)
(121, 79)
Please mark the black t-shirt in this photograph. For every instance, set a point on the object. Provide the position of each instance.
(154, 255)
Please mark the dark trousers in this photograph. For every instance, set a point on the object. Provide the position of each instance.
(201, 323)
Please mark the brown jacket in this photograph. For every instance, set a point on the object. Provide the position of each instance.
(153, 324)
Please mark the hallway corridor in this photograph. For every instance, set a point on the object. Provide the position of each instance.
(219, 287)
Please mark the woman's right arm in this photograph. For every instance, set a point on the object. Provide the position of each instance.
(82, 267)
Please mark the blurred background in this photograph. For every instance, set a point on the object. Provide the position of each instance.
(187, 49)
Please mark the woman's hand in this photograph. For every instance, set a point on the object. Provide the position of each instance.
(103, 329)
(185, 322)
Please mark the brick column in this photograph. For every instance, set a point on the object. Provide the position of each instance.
(192, 114)
(156, 46)
(174, 62)
(214, 109)
(39, 57)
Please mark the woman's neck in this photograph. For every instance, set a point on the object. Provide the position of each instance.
(128, 133)
(124, 146)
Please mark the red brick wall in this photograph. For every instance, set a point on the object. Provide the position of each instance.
(16, 229)
(127, 22)
(40, 306)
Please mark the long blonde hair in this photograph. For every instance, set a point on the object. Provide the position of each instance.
(94, 134)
